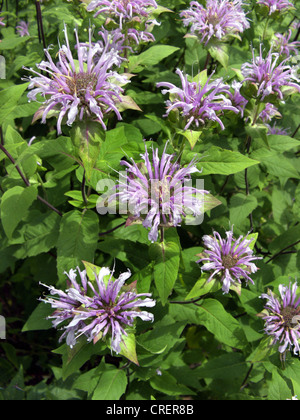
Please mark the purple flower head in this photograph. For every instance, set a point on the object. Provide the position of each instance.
(1, 21)
(229, 260)
(199, 104)
(110, 47)
(283, 45)
(238, 99)
(269, 75)
(124, 10)
(277, 130)
(22, 28)
(269, 112)
(134, 14)
(159, 191)
(276, 5)
(220, 19)
(98, 308)
(282, 317)
(78, 90)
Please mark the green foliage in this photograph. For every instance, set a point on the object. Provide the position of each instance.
(203, 344)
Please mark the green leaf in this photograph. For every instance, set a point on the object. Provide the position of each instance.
(241, 206)
(37, 320)
(74, 358)
(258, 131)
(166, 256)
(39, 234)
(276, 163)
(282, 143)
(9, 99)
(191, 136)
(228, 366)
(278, 390)
(128, 348)
(167, 384)
(78, 239)
(163, 337)
(150, 57)
(222, 162)
(219, 322)
(111, 386)
(14, 205)
(219, 51)
(201, 288)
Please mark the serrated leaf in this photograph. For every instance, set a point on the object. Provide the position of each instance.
(223, 162)
(14, 205)
(166, 256)
(111, 386)
(78, 238)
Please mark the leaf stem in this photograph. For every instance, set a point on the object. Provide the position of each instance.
(282, 251)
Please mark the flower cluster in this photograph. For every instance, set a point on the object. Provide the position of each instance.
(135, 15)
(219, 20)
(159, 193)
(276, 5)
(229, 260)
(97, 309)
(273, 130)
(269, 75)
(22, 28)
(199, 103)
(110, 47)
(78, 90)
(282, 317)
(283, 45)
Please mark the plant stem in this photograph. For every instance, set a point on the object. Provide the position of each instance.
(208, 57)
(112, 230)
(282, 251)
(266, 28)
(162, 234)
(25, 180)
(40, 24)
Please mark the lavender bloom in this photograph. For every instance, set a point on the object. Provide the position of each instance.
(123, 9)
(97, 309)
(276, 5)
(269, 75)
(199, 103)
(22, 28)
(135, 14)
(238, 99)
(282, 317)
(230, 259)
(78, 90)
(220, 19)
(283, 46)
(110, 48)
(269, 112)
(158, 192)
(1, 21)
(276, 130)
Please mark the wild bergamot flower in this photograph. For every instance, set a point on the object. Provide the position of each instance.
(97, 309)
(158, 192)
(199, 103)
(229, 260)
(282, 317)
(269, 75)
(78, 89)
(219, 20)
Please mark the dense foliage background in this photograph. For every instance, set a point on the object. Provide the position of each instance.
(210, 348)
